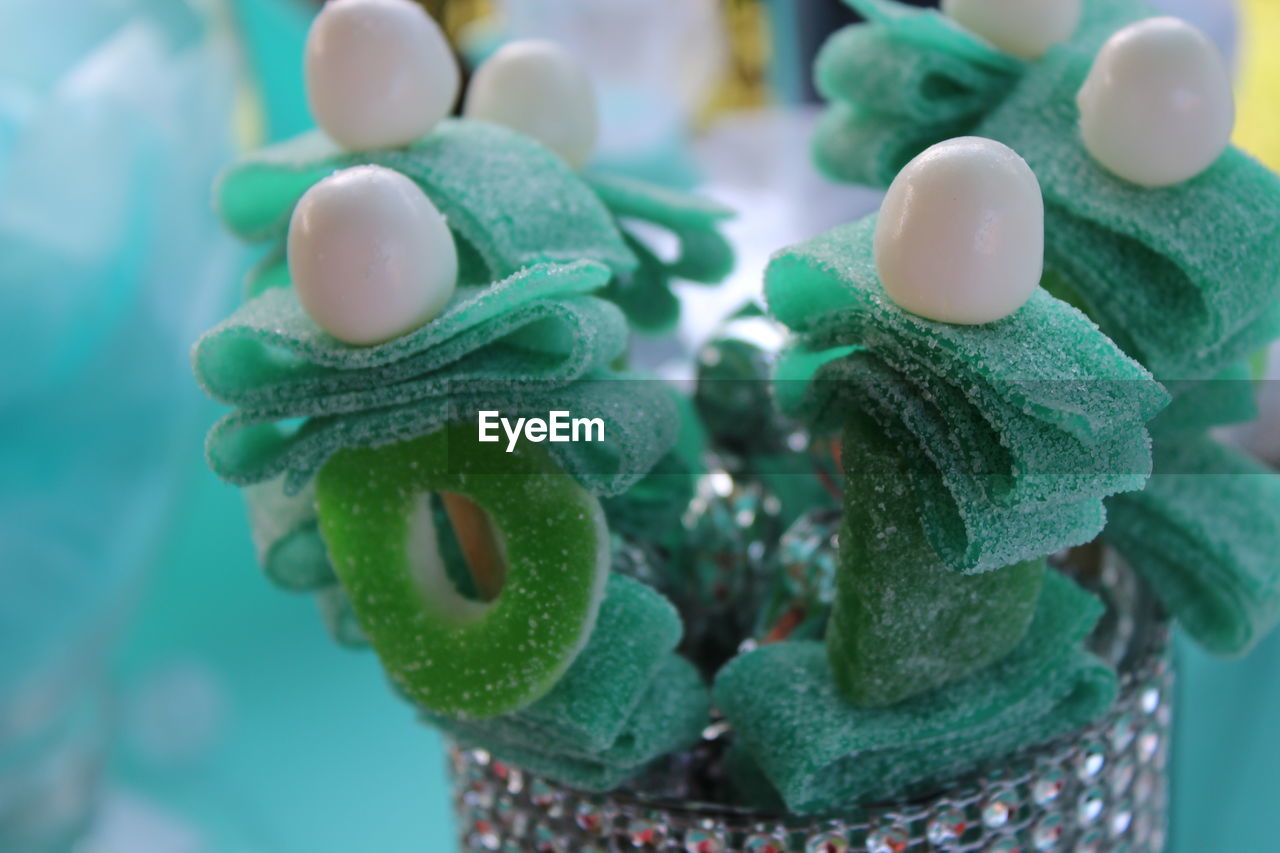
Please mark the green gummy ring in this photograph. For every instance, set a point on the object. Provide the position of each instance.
(454, 655)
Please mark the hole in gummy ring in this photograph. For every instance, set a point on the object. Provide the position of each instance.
(464, 531)
(480, 543)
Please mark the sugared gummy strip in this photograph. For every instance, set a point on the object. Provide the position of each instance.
(670, 716)
(639, 415)
(1184, 278)
(509, 201)
(822, 753)
(703, 254)
(1017, 428)
(286, 536)
(517, 346)
(1205, 534)
(902, 623)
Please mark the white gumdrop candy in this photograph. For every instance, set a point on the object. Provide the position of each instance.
(1156, 108)
(1024, 28)
(960, 237)
(537, 88)
(370, 256)
(379, 73)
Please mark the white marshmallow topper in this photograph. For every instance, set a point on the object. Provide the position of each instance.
(960, 237)
(370, 256)
(539, 89)
(1156, 108)
(1024, 28)
(379, 73)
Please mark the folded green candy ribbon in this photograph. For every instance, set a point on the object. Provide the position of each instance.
(626, 699)
(821, 753)
(1022, 425)
(652, 509)
(884, 143)
(530, 344)
(919, 67)
(902, 623)
(636, 631)
(340, 618)
(1231, 397)
(1205, 534)
(670, 716)
(1184, 278)
(508, 200)
(703, 254)
(540, 324)
(286, 536)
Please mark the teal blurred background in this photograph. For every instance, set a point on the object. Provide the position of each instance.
(240, 726)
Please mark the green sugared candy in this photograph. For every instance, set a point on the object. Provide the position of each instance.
(1022, 426)
(340, 618)
(949, 77)
(885, 143)
(535, 242)
(270, 358)
(588, 710)
(523, 339)
(749, 785)
(705, 256)
(635, 633)
(822, 753)
(902, 622)
(454, 655)
(1205, 534)
(670, 716)
(645, 295)
(1183, 278)
(509, 201)
(522, 346)
(287, 537)
(640, 425)
(1231, 397)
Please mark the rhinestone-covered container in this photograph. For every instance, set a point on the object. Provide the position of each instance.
(1104, 788)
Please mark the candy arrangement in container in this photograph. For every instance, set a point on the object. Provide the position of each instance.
(869, 587)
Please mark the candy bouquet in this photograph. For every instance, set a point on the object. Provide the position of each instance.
(868, 587)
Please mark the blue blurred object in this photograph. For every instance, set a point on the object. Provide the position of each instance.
(114, 118)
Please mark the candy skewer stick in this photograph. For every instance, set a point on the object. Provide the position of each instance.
(479, 542)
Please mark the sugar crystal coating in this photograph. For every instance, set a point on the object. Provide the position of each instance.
(451, 654)
(1183, 278)
(821, 753)
(669, 716)
(508, 199)
(902, 622)
(1022, 425)
(1205, 534)
(286, 536)
(703, 255)
(520, 346)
